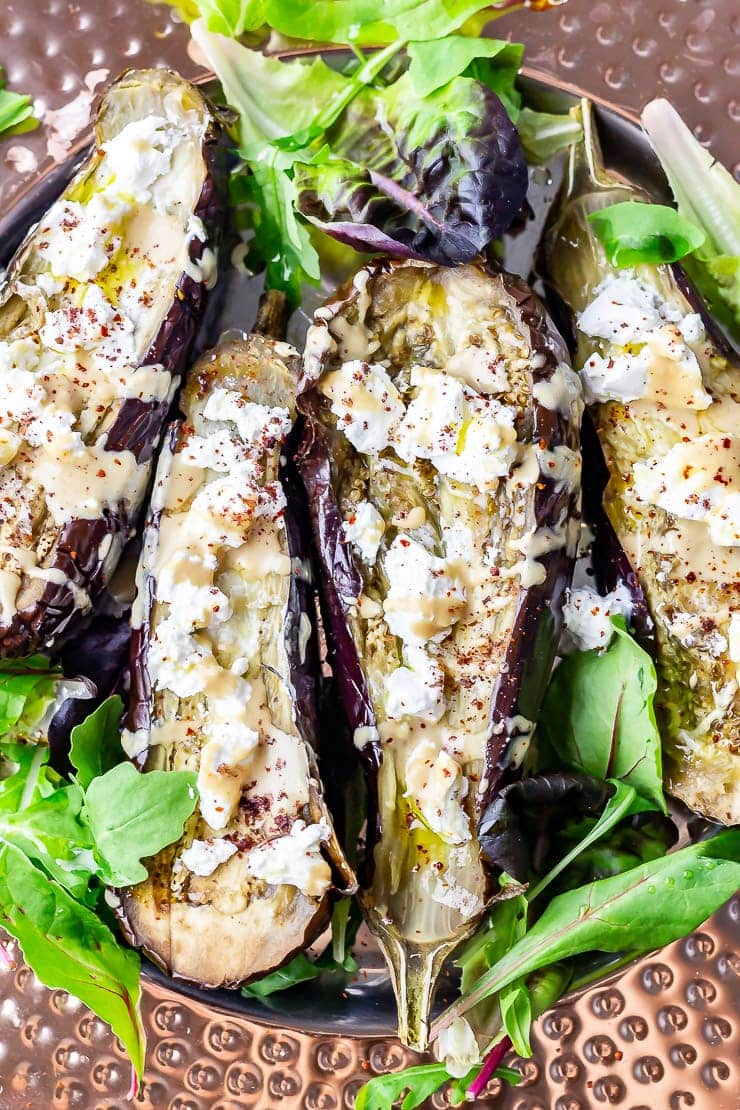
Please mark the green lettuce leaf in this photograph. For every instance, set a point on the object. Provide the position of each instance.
(70, 948)
(707, 196)
(434, 62)
(598, 716)
(133, 816)
(27, 688)
(95, 744)
(634, 233)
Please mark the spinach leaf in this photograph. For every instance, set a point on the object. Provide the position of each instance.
(646, 907)
(96, 742)
(633, 233)
(598, 716)
(27, 687)
(70, 948)
(133, 816)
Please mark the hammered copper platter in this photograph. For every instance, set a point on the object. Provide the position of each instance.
(663, 1035)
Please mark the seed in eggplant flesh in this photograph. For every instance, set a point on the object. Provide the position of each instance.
(437, 401)
(224, 674)
(97, 315)
(661, 387)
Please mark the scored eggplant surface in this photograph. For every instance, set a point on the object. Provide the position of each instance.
(223, 683)
(440, 457)
(97, 316)
(662, 389)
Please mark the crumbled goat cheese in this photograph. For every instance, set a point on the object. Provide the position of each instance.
(436, 787)
(417, 688)
(587, 617)
(366, 403)
(364, 529)
(204, 856)
(258, 425)
(295, 859)
(698, 480)
(425, 594)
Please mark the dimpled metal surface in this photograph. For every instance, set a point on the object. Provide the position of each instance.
(662, 1036)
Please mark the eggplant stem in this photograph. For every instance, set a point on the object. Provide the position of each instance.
(414, 972)
(272, 314)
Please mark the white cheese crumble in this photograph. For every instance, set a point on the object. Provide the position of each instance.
(425, 594)
(436, 787)
(175, 659)
(457, 1048)
(140, 153)
(295, 859)
(366, 403)
(649, 354)
(587, 617)
(364, 529)
(78, 240)
(697, 480)
(466, 436)
(204, 856)
(417, 688)
(733, 639)
(258, 425)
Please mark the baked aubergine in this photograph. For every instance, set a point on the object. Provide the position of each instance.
(662, 389)
(223, 676)
(97, 316)
(440, 458)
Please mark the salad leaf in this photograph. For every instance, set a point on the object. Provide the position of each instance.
(708, 196)
(436, 177)
(633, 233)
(545, 133)
(598, 716)
(70, 948)
(16, 110)
(24, 775)
(646, 907)
(53, 835)
(434, 62)
(133, 815)
(96, 741)
(408, 1088)
(27, 688)
(298, 970)
(516, 1016)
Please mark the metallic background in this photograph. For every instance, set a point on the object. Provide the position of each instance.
(661, 1037)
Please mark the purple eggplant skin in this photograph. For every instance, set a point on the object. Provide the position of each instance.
(519, 683)
(46, 612)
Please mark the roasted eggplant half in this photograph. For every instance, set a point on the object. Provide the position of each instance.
(97, 316)
(662, 390)
(440, 458)
(223, 682)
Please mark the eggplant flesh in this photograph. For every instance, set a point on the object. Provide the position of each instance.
(440, 458)
(662, 390)
(97, 315)
(223, 674)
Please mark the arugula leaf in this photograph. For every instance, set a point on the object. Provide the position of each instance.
(70, 948)
(434, 62)
(634, 233)
(53, 835)
(16, 109)
(598, 716)
(707, 196)
(27, 688)
(133, 816)
(412, 1087)
(25, 775)
(516, 1016)
(96, 741)
(646, 907)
